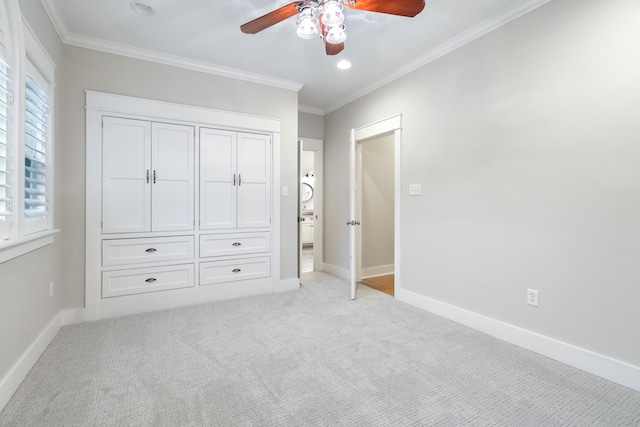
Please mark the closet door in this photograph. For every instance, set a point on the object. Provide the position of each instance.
(218, 179)
(172, 175)
(254, 182)
(126, 170)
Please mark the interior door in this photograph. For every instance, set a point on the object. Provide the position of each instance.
(300, 229)
(352, 223)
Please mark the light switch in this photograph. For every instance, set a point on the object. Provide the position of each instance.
(415, 189)
(285, 191)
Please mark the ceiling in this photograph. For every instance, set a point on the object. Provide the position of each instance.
(205, 35)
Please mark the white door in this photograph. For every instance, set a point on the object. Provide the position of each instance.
(172, 148)
(300, 224)
(218, 179)
(254, 180)
(126, 175)
(352, 222)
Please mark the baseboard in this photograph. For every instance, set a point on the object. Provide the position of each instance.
(337, 271)
(19, 371)
(287, 285)
(74, 316)
(594, 363)
(380, 270)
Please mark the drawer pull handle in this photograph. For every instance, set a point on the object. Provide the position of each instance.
(236, 270)
(237, 244)
(150, 280)
(150, 250)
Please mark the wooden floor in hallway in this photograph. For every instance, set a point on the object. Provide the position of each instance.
(380, 283)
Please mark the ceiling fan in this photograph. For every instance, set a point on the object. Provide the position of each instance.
(326, 19)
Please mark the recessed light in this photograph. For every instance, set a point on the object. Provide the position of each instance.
(142, 8)
(344, 64)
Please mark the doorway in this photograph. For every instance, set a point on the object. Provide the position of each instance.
(310, 202)
(375, 202)
(387, 133)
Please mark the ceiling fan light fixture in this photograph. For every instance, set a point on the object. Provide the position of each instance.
(142, 8)
(332, 13)
(307, 24)
(336, 34)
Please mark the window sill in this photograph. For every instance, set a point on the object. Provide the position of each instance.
(11, 249)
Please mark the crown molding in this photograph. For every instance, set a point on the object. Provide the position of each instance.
(77, 40)
(449, 46)
(310, 110)
(56, 18)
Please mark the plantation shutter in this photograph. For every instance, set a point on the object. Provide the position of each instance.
(7, 172)
(36, 156)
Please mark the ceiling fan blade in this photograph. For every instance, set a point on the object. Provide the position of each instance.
(408, 8)
(333, 49)
(271, 18)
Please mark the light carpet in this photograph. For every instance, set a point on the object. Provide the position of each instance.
(310, 357)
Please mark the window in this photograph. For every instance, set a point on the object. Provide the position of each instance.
(7, 124)
(26, 137)
(36, 153)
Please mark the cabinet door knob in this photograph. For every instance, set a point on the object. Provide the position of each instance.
(150, 250)
(150, 280)
(236, 270)
(237, 244)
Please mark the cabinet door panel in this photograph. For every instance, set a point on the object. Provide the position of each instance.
(218, 179)
(173, 177)
(254, 189)
(126, 195)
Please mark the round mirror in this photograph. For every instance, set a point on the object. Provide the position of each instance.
(307, 192)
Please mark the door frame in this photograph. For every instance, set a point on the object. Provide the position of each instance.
(317, 147)
(388, 126)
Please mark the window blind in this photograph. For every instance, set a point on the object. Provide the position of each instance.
(7, 172)
(36, 156)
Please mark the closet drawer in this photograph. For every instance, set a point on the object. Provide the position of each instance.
(142, 280)
(234, 244)
(135, 251)
(234, 270)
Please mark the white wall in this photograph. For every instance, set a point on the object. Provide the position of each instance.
(525, 142)
(378, 190)
(310, 125)
(88, 69)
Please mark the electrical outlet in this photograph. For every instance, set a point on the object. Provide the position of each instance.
(51, 290)
(532, 297)
(415, 189)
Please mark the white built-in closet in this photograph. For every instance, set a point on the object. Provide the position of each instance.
(179, 205)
